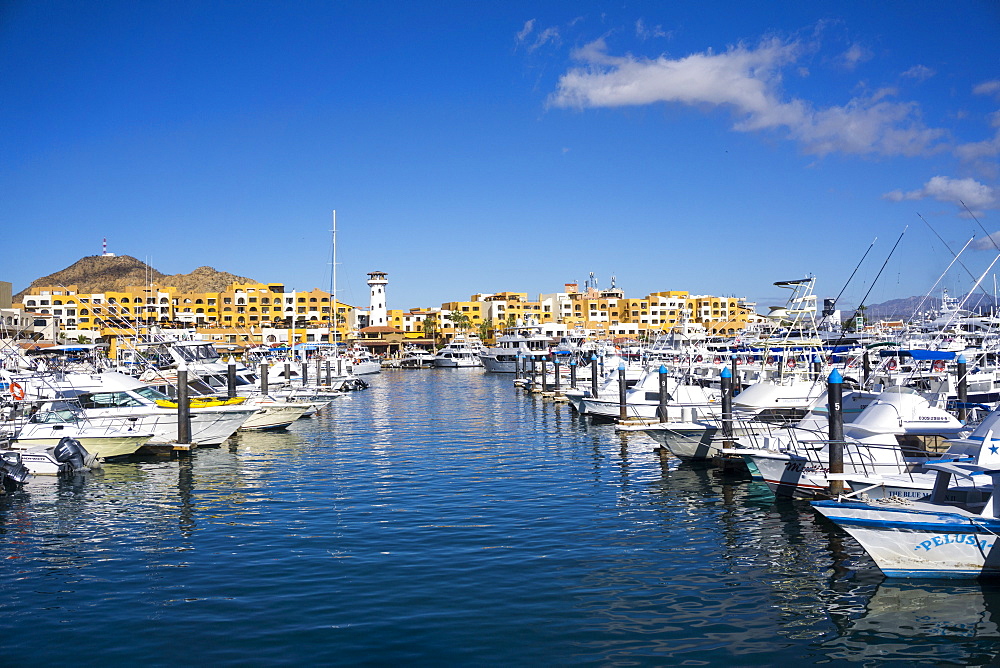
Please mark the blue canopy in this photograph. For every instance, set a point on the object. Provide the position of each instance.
(934, 355)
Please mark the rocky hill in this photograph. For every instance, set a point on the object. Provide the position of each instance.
(101, 273)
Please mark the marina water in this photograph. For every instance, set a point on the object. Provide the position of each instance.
(443, 517)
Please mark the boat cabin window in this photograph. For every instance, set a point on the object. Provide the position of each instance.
(214, 380)
(108, 400)
(199, 386)
(54, 417)
(198, 353)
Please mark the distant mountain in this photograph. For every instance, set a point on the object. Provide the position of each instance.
(101, 273)
(907, 308)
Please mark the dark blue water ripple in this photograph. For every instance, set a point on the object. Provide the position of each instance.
(443, 517)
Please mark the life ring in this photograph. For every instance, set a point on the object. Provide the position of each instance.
(791, 362)
(739, 360)
(697, 359)
(771, 360)
(718, 360)
(17, 391)
(938, 366)
(891, 364)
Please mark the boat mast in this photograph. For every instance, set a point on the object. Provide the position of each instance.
(333, 285)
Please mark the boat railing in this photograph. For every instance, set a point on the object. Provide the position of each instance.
(869, 460)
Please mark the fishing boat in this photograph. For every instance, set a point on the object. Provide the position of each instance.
(919, 484)
(931, 537)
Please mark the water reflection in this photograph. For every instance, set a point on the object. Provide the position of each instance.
(443, 512)
(922, 621)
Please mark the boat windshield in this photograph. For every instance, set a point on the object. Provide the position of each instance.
(151, 394)
(108, 400)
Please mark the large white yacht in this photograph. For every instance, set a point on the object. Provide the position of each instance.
(524, 342)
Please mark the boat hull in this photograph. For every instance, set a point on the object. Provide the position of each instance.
(693, 440)
(274, 416)
(497, 364)
(456, 362)
(917, 542)
(100, 446)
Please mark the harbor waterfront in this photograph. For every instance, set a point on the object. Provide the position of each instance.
(446, 517)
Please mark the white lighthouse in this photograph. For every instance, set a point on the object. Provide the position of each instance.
(377, 314)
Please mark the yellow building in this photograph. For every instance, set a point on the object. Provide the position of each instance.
(239, 314)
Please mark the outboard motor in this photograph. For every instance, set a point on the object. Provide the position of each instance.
(71, 452)
(13, 473)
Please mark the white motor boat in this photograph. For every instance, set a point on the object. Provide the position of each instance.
(458, 353)
(110, 399)
(415, 357)
(65, 457)
(361, 362)
(47, 428)
(642, 400)
(270, 412)
(700, 437)
(273, 414)
(795, 461)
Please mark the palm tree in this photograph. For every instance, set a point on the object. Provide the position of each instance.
(430, 327)
(484, 328)
(460, 320)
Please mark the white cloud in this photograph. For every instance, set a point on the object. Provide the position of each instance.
(989, 243)
(529, 25)
(919, 72)
(642, 31)
(980, 150)
(546, 36)
(549, 35)
(987, 87)
(975, 195)
(747, 81)
(854, 56)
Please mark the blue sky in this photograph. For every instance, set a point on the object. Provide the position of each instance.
(714, 147)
